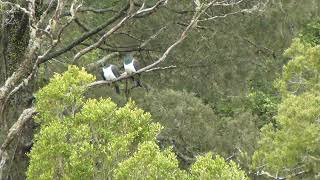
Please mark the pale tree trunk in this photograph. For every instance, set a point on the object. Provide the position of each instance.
(14, 41)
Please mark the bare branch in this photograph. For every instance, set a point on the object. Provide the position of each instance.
(193, 23)
(269, 175)
(16, 6)
(84, 36)
(101, 40)
(24, 82)
(80, 24)
(120, 49)
(101, 62)
(161, 68)
(45, 13)
(91, 9)
(226, 4)
(141, 11)
(14, 131)
(129, 35)
(183, 35)
(96, 10)
(153, 37)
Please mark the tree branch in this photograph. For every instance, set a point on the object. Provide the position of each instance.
(14, 131)
(183, 35)
(84, 36)
(269, 175)
(101, 62)
(91, 9)
(141, 11)
(17, 6)
(161, 68)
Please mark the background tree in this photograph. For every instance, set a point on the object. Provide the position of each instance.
(193, 128)
(292, 148)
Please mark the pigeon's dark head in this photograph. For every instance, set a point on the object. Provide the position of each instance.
(128, 58)
(106, 66)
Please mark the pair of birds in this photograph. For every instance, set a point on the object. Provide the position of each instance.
(111, 72)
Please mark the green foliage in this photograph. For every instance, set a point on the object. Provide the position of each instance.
(263, 105)
(226, 107)
(90, 143)
(186, 120)
(207, 168)
(91, 57)
(301, 74)
(98, 140)
(63, 95)
(295, 142)
(150, 163)
(194, 128)
(214, 63)
(237, 132)
(311, 33)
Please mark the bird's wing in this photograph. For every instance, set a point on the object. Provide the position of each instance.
(102, 74)
(136, 64)
(115, 71)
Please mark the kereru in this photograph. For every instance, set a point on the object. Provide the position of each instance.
(131, 65)
(109, 73)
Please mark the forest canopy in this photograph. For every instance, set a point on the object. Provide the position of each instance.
(159, 89)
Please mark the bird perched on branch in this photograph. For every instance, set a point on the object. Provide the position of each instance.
(110, 73)
(131, 65)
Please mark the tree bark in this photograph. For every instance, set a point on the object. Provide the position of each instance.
(14, 43)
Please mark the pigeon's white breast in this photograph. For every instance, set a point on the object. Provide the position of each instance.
(129, 68)
(108, 74)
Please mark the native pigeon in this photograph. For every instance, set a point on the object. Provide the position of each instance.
(131, 65)
(110, 73)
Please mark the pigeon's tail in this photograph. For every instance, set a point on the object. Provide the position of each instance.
(117, 88)
(137, 82)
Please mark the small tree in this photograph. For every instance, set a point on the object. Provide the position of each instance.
(83, 138)
(293, 147)
(95, 139)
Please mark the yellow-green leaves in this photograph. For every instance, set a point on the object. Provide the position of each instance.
(302, 71)
(84, 139)
(207, 168)
(63, 96)
(295, 139)
(49, 151)
(150, 163)
(95, 139)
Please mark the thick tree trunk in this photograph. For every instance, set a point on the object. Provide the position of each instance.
(14, 41)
